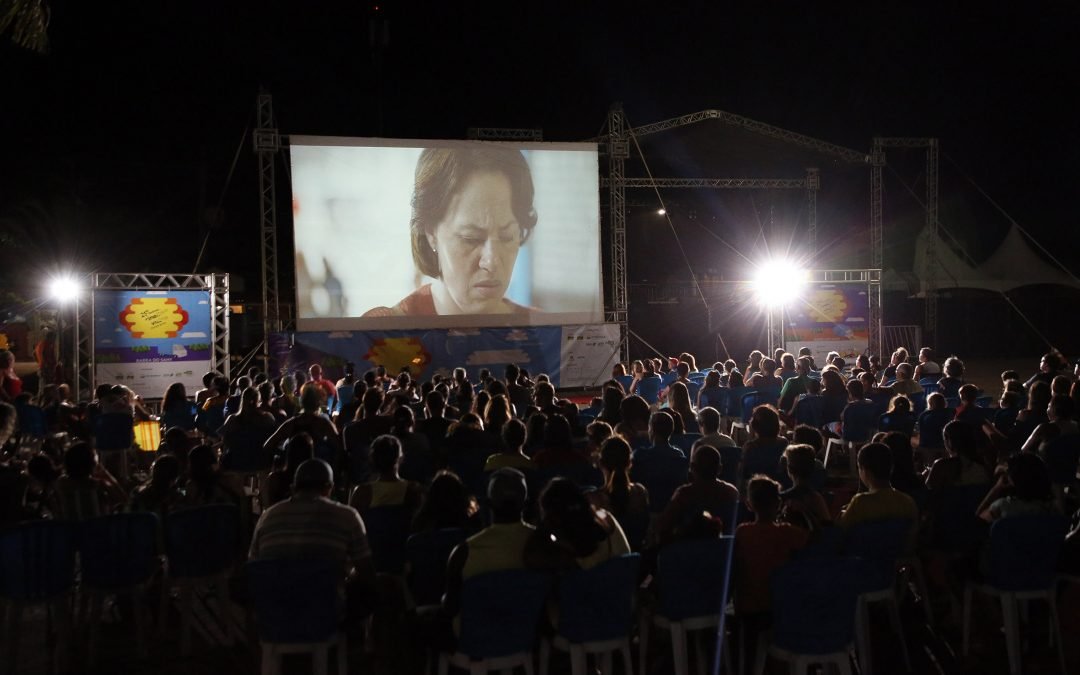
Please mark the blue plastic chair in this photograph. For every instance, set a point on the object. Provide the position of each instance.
(297, 610)
(201, 545)
(244, 452)
(931, 425)
(178, 417)
(499, 616)
(37, 567)
(715, 397)
(426, 555)
(693, 387)
(904, 423)
(661, 477)
(1024, 552)
(685, 442)
(813, 607)
(918, 403)
(765, 460)
(810, 410)
(858, 424)
(118, 554)
(881, 545)
(690, 575)
(209, 421)
(649, 388)
(931, 388)
(625, 381)
(346, 394)
(31, 421)
(596, 614)
(387, 530)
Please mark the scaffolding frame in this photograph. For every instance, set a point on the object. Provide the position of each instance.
(216, 284)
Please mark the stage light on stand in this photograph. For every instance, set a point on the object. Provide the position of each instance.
(661, 212)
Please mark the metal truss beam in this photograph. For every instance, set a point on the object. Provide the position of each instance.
(904, 142)
(717, 183)
(618, 152)
(930, 320)
(502, 134)
(767, 130)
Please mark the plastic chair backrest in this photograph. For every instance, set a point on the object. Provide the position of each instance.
(1062, 455)
(691, 576)
(826, 542)
(736, 402)
(635, 526)
(245, 450)
(427, 554)
(751, 400)
(661, 476)
(685, 441)
(693, 387)
(729, 463)
(813, 604)
(768, 395)
(931, 425)
(37, 560)
(387, 530)
(1024, 552)
(346, 393)
(113, 431)
(648, 388)
(202, 541)
(984, 401)
(119, 550)
(765, 459)
(584, 475)
(500, 612)
(597, 604)
(810, 410)
(295, 600)
(918, 403)
(625, 381)
(179, 417)
(880, 544)
(859, 420)
(956, 526)
(715, 397)
(929, 388)
(905, 424)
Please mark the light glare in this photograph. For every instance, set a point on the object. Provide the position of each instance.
(778, 282)
(64, 289)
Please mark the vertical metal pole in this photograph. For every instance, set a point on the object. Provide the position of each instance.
(877, 239)
(266, 144)
(618, 152)
(813, 183)
(931, 319)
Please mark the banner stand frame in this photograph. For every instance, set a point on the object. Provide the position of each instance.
(217, 284)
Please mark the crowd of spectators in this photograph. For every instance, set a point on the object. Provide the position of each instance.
(347, 470)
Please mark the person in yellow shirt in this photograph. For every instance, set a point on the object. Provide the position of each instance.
(513, 455)
(881, 501)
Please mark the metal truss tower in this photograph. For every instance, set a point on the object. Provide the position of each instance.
(267, 143)
(813, 184)
(618, 152)
(929, 271)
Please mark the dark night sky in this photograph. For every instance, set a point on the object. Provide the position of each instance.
(118, 142)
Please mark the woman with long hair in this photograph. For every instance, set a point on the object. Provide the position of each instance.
(679, 401)
(711, 393)
(573, 531)
(176, 409)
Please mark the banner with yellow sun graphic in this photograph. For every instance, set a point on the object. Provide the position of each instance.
(829, 317)
(149, 339)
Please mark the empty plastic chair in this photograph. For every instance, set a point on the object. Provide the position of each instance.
(37, 567)
(881, 545)
(1023, 566)
(596, 614)
(691, 576)
(118, 554)
(499, 616)
(625, 381)
(813, 608)
(297, 611)
(201, 545)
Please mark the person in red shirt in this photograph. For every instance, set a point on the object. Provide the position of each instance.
(10, 384)
(760, 548)
(330, 391)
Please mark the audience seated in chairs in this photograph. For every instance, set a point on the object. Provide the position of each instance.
(660, 467)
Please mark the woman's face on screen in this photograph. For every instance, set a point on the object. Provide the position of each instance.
(477, 244)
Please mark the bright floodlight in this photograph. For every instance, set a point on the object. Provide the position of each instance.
(778, 282)
(661, 212)
(64, 289)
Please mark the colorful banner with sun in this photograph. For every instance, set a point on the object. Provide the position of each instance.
(149, 339)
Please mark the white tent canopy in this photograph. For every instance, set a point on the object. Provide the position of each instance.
(1013, 264)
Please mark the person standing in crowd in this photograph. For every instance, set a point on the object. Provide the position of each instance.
(45, 355)
(10, 384)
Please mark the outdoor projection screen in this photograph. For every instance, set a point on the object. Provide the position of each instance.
(408, 234)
